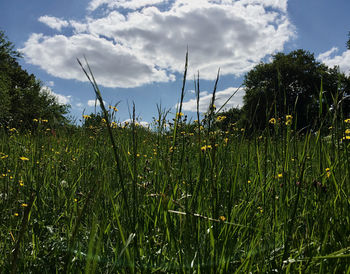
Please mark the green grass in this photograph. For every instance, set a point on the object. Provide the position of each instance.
(246, 204)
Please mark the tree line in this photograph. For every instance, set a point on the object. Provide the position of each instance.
(291, 84)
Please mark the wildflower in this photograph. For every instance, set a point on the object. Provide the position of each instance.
(280, 175)
(328, 172)
(347, 132)
(86, 117)
(45, 121)
(103, 120)
(179, 114)
(4, 157)
(24, 205)
(347, 137)
(272, 121)
(75, 200)
(249, 181)
(35, 120)
(289, 117)
(16, 214)
(24, 158)
(288, 122)
(222, 218)
(204, 148)
(347, 121)
(261, 210)
(226, 141)
(13, 130)
(220, 118)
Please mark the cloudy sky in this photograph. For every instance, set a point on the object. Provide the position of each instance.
(136, 48)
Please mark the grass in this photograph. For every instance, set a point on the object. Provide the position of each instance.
(191, 199)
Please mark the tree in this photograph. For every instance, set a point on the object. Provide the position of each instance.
(291, 84)
(22, 95)
(348, 43)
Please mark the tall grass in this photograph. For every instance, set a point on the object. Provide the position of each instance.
(188, 199)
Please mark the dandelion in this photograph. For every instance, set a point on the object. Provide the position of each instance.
(35, 120)
(86, 117)
(280, 175)
(4, 157)
(261, 210)
(272, 121)
(347, 132)
(328, 172)
(347, 121)
(75, 200)
(24, 158)
(16, 214)
(45, 121)
(24, 205)
(249, 181)
(289, 117)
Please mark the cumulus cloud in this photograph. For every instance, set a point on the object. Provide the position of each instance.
(92, 103)
(140, 123)
(61, 99)
(53, 22)
(136, 42)
(221, 97)
(331, 59)
(126, 4)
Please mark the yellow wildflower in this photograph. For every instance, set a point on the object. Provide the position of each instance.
(347, 121)
(272, 121)
(16, 214)
(24, 205)
(222, 218)
(280, 175)
(4, 157)
(24, 158)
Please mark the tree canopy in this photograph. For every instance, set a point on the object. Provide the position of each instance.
(291, 84)
(22, 97)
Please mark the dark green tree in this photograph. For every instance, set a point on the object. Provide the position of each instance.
(348, 42)
(22, 95)
(291, 84)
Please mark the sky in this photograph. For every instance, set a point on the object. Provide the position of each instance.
(136, 48)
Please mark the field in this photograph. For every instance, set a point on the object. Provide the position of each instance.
(186, 199)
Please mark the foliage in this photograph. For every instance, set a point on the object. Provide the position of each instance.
(274, 203)
(292, 84)
(22, 97)
(348, 42)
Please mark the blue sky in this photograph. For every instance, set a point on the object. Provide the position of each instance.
(137, 48)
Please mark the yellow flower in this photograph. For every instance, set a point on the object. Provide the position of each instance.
(24, 158)
(179, 114)
(280, 175)
(86, 117)
(328, 172)
(347, 137)
(4, 157)
(204, 148)
(272, 121)
(35, 120)
(289, 117)
(347, 131)
(24, 205)
(347, 121)
(16, 214)
(222, 218)
(288, 122)
(21, 183)
(220, 118)
(44, 121)
(249, 181)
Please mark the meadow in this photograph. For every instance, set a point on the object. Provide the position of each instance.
(179, 198)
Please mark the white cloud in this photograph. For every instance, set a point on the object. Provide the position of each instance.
(50, 83)
(330, 59)
(53, 22)
(221, 97)
(126, 4)
(61, 99)
(142, 46)
(91, 103)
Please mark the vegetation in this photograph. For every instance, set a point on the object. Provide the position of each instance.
(212, 196)
(291, 84)
(22, 96)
